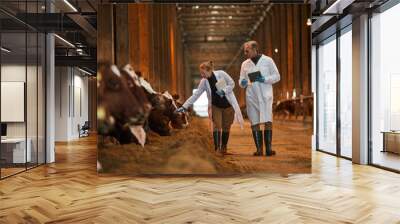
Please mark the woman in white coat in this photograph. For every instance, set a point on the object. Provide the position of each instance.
(223, 107)
(259, 94)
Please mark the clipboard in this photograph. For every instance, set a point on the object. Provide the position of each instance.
(221, 84)
(254, 75)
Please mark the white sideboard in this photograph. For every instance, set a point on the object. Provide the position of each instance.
(17, 145)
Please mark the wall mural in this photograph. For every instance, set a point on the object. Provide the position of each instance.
(159, 59)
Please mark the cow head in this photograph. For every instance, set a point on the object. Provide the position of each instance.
(178, 119)
(135, 87)
(118, 109)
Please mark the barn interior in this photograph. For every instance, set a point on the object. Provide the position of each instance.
(335, 103)
(166, 43)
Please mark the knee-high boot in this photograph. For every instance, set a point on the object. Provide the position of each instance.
(217, 140)
(224, 144)
(258, 141)
(268, 141)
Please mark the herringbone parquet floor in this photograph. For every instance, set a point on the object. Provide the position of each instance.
(70, 191)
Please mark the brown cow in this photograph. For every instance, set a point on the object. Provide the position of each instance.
(136, 89)
(120, 114)
(163, 115)
(179, 120)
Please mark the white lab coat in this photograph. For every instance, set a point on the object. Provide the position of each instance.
(259, 96)
(230, 96)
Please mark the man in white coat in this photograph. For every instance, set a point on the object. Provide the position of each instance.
(223, 107)
(258, 73)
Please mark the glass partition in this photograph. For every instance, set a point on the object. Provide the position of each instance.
(327, 95)
(14, 151)
(346, 93)
(22, 77)
(385, 89)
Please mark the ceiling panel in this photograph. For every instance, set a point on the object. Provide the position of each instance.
(216, 32)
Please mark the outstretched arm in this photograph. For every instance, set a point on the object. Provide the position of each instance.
(200, 89)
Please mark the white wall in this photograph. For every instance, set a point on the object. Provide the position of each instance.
(33, 127)
(12, 73)
(71, 102)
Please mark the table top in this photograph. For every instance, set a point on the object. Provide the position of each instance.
(391, 132)
(13, 140)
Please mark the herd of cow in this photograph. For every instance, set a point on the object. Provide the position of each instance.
(128, 106)
(301, 106)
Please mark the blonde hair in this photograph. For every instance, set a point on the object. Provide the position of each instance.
(208, 66)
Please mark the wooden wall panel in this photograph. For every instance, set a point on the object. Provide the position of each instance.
(296, 46)
(148, 37)
(289, 45)
(144, 39)
(268, 36)
(133, 23)
(151, 63)
(283, 49)
(306, 54)
(105, 37)
(121, 35)
(157, 38)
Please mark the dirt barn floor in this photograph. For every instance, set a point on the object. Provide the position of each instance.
(190, 151)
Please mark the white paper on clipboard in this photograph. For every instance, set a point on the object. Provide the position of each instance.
(221, 84)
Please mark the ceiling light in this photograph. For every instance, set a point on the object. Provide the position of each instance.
(5, 50)
(43, 7)
(65, 41)
(276, 50)
(309, 22)
(70, 5)
(196, 7)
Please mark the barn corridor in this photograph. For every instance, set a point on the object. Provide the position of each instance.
(291, 141)
(190, 151)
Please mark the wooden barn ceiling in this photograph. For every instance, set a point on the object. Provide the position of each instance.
(217, 32)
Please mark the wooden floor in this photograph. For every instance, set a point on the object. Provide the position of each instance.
(70, 191)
